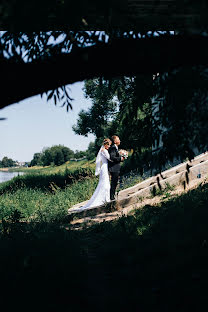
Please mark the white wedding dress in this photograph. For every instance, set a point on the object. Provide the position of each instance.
(101, 194)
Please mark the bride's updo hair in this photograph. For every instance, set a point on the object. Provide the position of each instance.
(107, 141)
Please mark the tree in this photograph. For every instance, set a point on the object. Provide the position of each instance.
(125, 111)
(58, 158)
(36, 161)
(79, 154)
(96, 53)
(116, 53)
(96, 119)
(181, 113)
(91, 151)
(56, 155)
(67, 153)
(7, 162)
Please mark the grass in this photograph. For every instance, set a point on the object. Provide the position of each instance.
(153, 260)
(47, 181)
(46, 194)
(128, 180)
(70, 165)
(39, 198)
(45, 205)
(165, 191)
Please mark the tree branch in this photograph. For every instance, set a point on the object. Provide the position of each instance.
(123, 57)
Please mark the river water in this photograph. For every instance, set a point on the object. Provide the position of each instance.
(6, 176)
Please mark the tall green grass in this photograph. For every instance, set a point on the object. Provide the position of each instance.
(46, 194)
(47, 206)
(47, 181)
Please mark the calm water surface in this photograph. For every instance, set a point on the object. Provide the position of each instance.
(6, 176)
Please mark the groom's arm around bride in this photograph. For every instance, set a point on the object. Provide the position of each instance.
(114, 165)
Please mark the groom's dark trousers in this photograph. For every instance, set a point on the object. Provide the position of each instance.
(114, 167)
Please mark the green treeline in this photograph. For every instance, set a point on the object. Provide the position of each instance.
(59, 154)
(7, 162)
(56, 155)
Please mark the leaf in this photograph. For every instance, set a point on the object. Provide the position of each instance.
(54, 97)
(57, 92)
(50, 95)
(69, 105)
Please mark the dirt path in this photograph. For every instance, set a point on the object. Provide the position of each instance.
(88, 221)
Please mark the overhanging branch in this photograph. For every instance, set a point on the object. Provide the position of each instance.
(123, 57)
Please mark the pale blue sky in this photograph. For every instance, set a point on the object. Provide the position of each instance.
(34, 123)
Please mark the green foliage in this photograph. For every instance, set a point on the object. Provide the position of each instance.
(56, 155)
(79, 154)
(36, 161)
(133, 121)
(36, 204)
(180, 113)
(161, 250)
(121, 106)
(128, 180)
(104, 106)
(7, 162)
(46, 182)
(91, 151)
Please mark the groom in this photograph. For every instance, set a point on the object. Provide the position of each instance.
(114, 165)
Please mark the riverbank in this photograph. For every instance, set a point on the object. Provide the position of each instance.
(71, 165)
(6, 176)
(49, 192)
(4, 169)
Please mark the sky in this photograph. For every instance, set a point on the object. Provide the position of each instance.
(34, 124)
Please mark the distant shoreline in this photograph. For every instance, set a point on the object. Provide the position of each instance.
(4, 169)
(10, 169)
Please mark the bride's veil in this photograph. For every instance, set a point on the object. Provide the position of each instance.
(98, 162)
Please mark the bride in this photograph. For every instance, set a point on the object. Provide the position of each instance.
(101, 194)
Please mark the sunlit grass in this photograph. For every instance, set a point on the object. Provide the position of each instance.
(46, 193)
(71, 165)
(47, 206)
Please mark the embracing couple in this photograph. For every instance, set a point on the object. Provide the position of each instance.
(107, 165)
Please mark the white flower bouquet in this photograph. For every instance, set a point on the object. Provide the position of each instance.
(123, 153)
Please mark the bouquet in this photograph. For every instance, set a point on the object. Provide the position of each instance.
(123, 153)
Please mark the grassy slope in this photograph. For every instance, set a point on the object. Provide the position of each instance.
(155, 260)
(46, 193)
(71, 165)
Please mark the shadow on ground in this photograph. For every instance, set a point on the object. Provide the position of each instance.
(155, 260)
